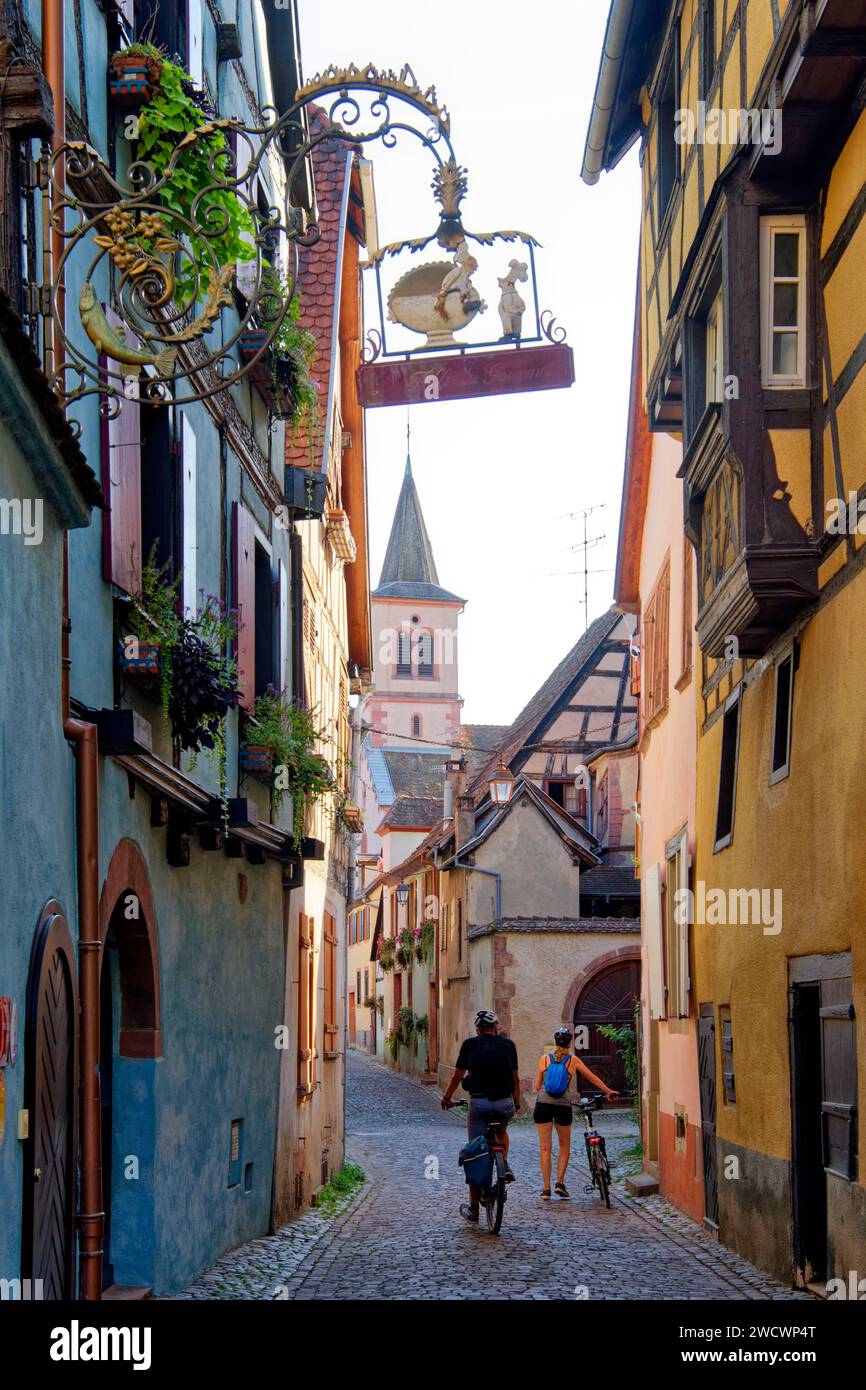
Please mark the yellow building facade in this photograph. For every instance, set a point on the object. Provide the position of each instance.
(753, 157)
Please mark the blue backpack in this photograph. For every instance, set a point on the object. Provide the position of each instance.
(556, 1077)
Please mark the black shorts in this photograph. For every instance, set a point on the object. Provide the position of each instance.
(544, 1113)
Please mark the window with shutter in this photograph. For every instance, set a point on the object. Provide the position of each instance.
(189, 593)
(425, 654)
(265, 621)
(284, 644)
(306, 1005)
(244, 584)
(677, 926)
(331, 1028)
(728, 772)
(404, 654)
(121, 482)
(651, 909)
(687, 620)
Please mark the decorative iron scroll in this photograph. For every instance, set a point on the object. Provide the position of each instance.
(148, 282)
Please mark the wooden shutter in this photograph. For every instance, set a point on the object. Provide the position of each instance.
(121, 483)
(839, 1078)
(189, 592)
(194, 41)
(651, 908)
(244, 581)
(330, 949)
(306, 1005)
(688, 562)
(284, 644)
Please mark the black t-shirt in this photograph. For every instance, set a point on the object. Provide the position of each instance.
(490, 1061)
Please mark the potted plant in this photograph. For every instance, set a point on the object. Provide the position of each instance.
(425, 935)
(305, 492)
(282, 373)
(406, 948)
(134, 75)
(370, 1003)
(387, 954)
(285, 734)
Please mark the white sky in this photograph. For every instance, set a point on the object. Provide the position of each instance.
(496, 475)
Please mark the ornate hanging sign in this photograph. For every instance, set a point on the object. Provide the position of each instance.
(176, 278)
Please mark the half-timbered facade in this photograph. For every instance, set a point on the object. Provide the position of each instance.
(752, 134)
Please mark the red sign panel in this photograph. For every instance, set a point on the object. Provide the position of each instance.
(461, 376)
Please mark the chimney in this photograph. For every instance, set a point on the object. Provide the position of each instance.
(455, 779)
(464, 824)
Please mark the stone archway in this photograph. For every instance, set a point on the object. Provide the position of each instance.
(127, 913)
(130, 1044)
(603, 993)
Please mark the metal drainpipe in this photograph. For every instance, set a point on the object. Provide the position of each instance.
(492, 873)
(84, 738)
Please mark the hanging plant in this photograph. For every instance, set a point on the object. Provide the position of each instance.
(425, 936)
(387, 954)
(406, 947)
(283, 372)
(198, 681)
(163, 123)
(290, 734)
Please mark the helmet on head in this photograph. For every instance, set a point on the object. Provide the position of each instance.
(485, 1019)
(563, 1037)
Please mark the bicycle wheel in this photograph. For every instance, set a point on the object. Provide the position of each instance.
(602, 1172)
(494, 1197)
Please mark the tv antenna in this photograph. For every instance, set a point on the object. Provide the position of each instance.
(585, 546)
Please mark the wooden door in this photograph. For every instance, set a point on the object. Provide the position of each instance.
(608, 998)
(48, 1249)
(707, 1076)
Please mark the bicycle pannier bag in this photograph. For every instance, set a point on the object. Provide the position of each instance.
(475, 1161)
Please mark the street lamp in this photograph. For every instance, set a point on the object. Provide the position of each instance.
(402, 894)
(501, 786)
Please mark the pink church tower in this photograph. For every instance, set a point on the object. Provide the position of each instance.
(415, 699)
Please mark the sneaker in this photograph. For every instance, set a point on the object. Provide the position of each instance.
(469, 1213)
(509, 1174)
(545, 1194)
(561, 1190)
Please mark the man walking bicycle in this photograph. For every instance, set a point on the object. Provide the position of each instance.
(487, 1067)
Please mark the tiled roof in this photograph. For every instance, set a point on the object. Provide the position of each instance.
(482, 737)
(414, 772)
(416, 811)
(317, 270)
(616, 882)
(409, 570)
(546, 696)
(607, 926)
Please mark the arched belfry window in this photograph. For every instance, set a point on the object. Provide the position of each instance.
(424, 650)
(416, 726)
(404, 654)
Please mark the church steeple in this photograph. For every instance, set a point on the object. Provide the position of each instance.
(409, 570)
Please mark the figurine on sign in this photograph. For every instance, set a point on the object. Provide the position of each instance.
(511, 306)
(458, 281)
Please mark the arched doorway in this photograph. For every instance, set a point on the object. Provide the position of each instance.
(130, 1041)
(51, 1087)
(608, 997)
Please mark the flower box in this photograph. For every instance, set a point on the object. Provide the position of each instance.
(140, 661)
(273, 377)
(133, 79)
(340, 535)
(304, 493)
(258, 759)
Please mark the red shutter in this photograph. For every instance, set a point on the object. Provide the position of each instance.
(121, 482)
(244, 578)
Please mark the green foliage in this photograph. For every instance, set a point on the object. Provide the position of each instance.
(626, 1035)
(387, 954)
(424, 941)
(339, 1189)
(293, 347)
(162, 124)
(290, 733)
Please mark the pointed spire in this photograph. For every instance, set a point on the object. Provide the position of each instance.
(409, 570)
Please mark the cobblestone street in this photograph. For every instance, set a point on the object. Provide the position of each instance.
(400, 1237)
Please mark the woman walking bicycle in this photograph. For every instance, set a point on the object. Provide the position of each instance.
(553, 1078)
